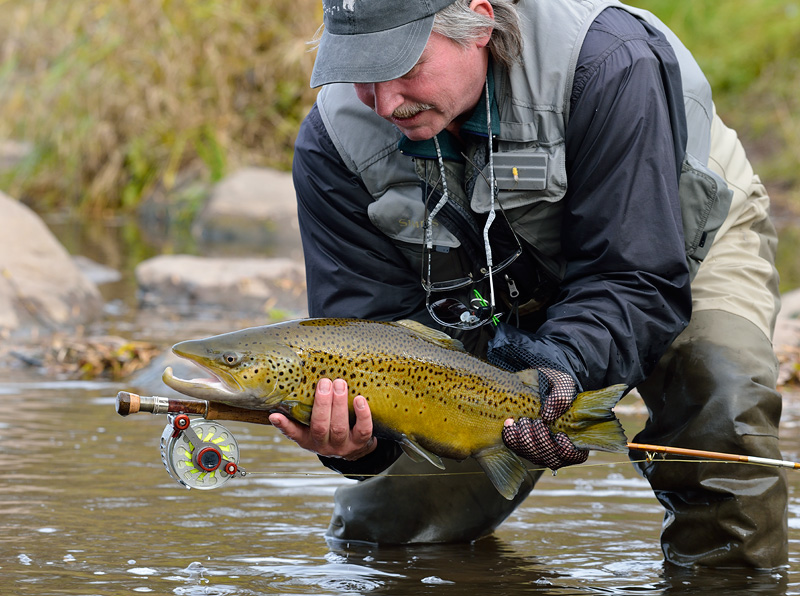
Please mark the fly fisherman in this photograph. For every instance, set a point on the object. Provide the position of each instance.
(548, 182)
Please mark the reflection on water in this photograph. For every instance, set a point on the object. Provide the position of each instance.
(86, 507)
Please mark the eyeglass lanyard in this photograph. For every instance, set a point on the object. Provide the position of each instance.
(489, 218)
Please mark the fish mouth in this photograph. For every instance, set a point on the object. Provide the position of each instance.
(213, 388)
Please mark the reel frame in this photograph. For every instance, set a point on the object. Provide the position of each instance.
(199, 453)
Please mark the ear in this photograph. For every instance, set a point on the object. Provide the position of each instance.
(483, 7)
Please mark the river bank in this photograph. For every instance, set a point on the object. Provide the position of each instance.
(152, 280)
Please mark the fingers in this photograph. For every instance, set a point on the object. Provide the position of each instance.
(339, 418)
(329, 432)
(291, 430)
(362, 430)
(321, 415)
(559, 395)
(532, 440)
(568, 453)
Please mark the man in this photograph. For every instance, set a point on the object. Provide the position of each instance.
(548, 182)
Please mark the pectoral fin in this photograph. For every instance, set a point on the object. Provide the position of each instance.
(504, 469)
(296, 410)
(418, 453)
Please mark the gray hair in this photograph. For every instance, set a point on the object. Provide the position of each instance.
(462, 25)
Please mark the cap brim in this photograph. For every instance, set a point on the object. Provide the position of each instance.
(370, 57)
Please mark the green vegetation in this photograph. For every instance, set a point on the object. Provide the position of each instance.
(750, 52)
(123, 98)
(126, 98)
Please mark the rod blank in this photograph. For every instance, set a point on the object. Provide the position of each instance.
(714, 455)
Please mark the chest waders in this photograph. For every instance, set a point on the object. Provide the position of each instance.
(714, 389)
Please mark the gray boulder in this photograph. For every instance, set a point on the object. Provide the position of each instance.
(41, 288)
(254, 207)
(229, 287)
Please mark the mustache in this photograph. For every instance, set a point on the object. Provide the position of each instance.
(409, 110)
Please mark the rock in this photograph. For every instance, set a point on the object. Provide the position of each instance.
(254, 207)
(41, 288)
(787, 327)
(95, 272)
(237, 286)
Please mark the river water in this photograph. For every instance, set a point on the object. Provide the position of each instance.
(87, 508)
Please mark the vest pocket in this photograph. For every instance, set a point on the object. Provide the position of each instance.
(400, 214)
(705, 202)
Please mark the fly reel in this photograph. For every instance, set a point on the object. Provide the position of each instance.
(199, 453)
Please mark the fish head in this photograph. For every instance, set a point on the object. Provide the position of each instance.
(250, 370)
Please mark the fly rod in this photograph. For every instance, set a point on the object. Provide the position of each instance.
(716, 455)
(130, 403)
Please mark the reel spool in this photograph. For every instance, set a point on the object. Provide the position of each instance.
(199, 453)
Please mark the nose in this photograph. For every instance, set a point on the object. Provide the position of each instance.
(383, 98)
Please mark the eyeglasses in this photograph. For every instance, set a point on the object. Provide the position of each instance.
(454, 313)
(451, 312)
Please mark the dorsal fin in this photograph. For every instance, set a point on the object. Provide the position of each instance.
(432, 335)
(530, 377)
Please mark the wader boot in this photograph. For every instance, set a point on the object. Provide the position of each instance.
(418, 503)
(714, 390)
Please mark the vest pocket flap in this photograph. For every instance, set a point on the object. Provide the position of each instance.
(524, 177)
(400, 214)
(520, 170)
(705, 201)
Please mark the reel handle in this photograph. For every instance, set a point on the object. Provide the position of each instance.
(131, 403)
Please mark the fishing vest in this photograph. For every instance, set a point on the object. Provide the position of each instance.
(531, 139)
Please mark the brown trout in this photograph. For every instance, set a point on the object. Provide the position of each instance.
(424, 390)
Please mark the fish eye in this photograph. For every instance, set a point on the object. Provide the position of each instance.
(231, 358)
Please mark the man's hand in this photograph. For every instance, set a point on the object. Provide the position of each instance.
(532, 439)
(329, 433)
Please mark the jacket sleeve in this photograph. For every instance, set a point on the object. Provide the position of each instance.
(625, 295)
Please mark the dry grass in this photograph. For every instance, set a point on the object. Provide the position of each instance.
(120, 96)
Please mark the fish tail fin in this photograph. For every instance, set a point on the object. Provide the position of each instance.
(504, 469)
(591, 423)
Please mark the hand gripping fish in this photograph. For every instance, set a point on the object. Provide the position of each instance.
(425, 391)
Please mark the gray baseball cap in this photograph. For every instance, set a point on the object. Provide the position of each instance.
(366, 41)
